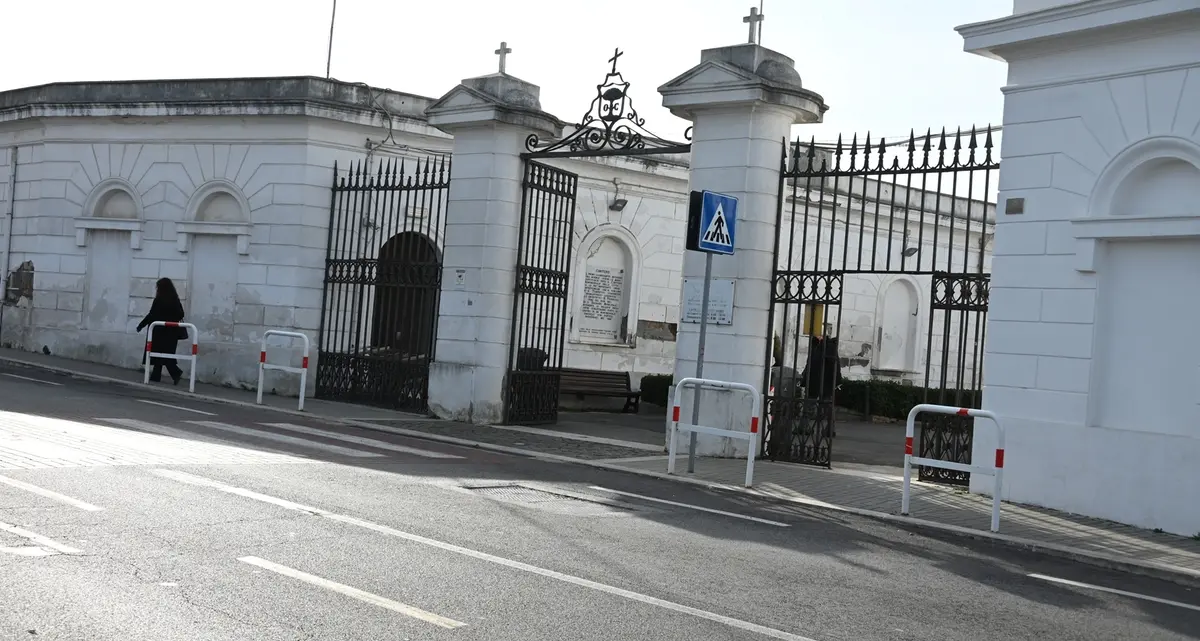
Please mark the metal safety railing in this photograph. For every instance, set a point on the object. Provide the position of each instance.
(751, 437)
(997, 472)
(263, 365)
(150, 353)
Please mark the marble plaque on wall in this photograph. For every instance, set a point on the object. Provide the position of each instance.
(603, 306)
(720, 301)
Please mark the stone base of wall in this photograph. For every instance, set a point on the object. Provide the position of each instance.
(225, 364)
(1138, 478)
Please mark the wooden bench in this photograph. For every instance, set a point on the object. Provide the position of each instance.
(587, 382)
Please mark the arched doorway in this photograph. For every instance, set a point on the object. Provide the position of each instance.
(405, 309)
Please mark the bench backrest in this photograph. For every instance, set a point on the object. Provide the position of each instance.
(593, 380)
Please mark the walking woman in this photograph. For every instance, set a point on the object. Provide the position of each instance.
(164, 340)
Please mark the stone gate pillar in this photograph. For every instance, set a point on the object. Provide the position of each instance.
(742, 101)
(490, 118)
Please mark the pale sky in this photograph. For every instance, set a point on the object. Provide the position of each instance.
(882, 65)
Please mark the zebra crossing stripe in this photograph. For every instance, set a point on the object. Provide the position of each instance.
(358, 440)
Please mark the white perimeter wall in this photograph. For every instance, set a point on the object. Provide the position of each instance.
(87, 300)
(1091, 355)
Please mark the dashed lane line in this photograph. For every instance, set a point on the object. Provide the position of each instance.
(1100, 588)
(175, 407)
(739, 624)
(47, 546)
(35, 380)
(691, 507)
(354, 593)
(40, 491)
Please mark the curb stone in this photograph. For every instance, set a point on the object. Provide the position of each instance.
(1174, 574)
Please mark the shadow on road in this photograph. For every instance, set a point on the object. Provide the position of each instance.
(847, 539)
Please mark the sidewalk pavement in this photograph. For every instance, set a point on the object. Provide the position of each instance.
(853, 489)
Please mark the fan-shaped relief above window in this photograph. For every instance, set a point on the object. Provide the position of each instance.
(1149, 191)
(218, 208)
(606, 287)
(113, 205)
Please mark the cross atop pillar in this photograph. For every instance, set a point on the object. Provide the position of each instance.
(503, 52)
(753, 20)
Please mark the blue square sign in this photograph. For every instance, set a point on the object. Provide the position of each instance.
(713, 227)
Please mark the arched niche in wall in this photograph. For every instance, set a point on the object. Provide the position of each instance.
(1142, 238)
(897, 325)
(218, 208)
(606, 286)
(113, 205)
(110, 229)
(215, 232)
(1151, 190)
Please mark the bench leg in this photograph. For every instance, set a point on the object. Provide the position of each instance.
(631, 405)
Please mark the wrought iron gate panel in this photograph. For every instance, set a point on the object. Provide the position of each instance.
(383, 273)
(859, 208)
(799, 417)
(540, 294)
(957, 326)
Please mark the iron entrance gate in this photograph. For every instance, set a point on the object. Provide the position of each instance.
(855, 221)
(383, 274)
(541, 294)
(610, 127)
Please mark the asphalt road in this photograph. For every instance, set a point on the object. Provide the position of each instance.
(124, 519)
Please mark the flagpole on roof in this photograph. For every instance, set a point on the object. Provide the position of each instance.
(329, 54)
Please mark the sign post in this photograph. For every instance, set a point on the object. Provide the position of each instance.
(712, 221)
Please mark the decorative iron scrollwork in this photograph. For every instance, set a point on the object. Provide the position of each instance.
(610, 126)
(961, 292)
(822, 288)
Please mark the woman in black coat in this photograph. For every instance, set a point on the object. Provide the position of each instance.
(166, 307)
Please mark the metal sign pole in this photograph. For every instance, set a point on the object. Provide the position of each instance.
(708, 260)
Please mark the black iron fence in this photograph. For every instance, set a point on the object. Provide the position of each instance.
(382, 282)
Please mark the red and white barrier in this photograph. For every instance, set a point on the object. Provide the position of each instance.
(195, 335)
(263, 365)
(997, 471)
(751, 437)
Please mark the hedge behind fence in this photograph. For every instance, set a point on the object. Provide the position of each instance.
(655, 388)
(882, 398)
(894, 400)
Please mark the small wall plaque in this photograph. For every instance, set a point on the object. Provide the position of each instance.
(1014, 206)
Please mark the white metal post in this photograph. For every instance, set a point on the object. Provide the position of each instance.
(997, 472)
(193, 357)
(263, 365)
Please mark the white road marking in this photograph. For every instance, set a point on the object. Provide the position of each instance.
(176, 407)
(354, 593)
(61, 498)
(176, 433)
(38, 539)
(358, 440)
(484, 556)
(1100, 588)
(35, 380)
(692, 507)
(284, 438)
(587, 438)
(31, 550)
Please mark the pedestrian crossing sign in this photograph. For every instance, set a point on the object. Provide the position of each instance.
(712, 221)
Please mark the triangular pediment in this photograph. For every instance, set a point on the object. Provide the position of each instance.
(707, 74)
(463, 97)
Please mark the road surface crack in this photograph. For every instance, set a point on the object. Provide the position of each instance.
(305, 635)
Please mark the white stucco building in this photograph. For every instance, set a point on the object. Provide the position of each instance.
(1090, 357)
(224, 186)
